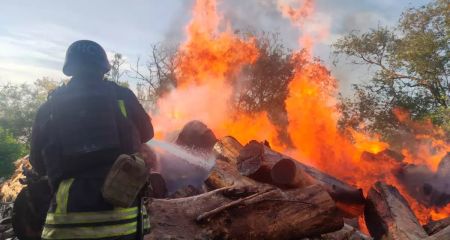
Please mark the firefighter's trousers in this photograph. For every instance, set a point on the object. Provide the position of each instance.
(118, 223)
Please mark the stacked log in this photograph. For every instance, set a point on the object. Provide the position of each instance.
(239, 207)
(254, 192)
(261, 163)
(388, 215)
(242, 213)
(257, 162)
(228, 149)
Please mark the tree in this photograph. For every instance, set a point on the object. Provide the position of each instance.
(19, 104)
(116, 72)
(264, 84)
(411, 63)
(159, 75)
(10, 150)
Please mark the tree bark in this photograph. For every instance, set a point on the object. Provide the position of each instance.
(444, 234)
(436, 226)
(225, 174)
(346, 233)
(258, 162)
(388, 215)
(243, 213)
(427, 187)
(228, 149)
(349, 199)
(444, 167)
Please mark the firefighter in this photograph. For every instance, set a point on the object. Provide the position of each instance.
(77, 136)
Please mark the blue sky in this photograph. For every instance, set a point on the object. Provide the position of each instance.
(35, 34)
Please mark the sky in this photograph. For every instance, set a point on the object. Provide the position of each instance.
(34, 35)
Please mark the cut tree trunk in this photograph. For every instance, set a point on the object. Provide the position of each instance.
(225, 174)
(256, 162)
(436, 226)
(349, 199)
(243, 213)
(388, 215)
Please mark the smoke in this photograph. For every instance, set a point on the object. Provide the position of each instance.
(200, 102)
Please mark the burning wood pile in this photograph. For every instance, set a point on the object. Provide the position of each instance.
(255, 192)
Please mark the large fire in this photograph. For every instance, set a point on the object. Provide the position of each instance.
(213, 54)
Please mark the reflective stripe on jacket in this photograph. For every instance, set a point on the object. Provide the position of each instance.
(61, 224)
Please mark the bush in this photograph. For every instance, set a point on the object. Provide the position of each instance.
(10, 150)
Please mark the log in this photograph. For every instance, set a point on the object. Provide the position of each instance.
(349, 199)
(228, 149)
(196, 134)
(243, 213)
(424, 185)
(444, 166)
(256, 162)
(346, 233)
(435, 226)
(388, 215)
(225, 174)
(444, 234)
(386, 155)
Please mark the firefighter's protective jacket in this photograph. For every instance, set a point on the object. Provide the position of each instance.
(78, 210)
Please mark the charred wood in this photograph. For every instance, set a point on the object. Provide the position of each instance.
(388, 215)
(386, 155)
(196, 134)
(444, 167)
(424, 185)
(187, 191)
(436, 226)
(346, 233)
(444, 234)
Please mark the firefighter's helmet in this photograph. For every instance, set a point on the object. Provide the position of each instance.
(85, 55)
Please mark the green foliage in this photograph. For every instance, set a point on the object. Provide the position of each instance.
(19, 104)
(411, 63)
(264, 84)
(10, 150)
